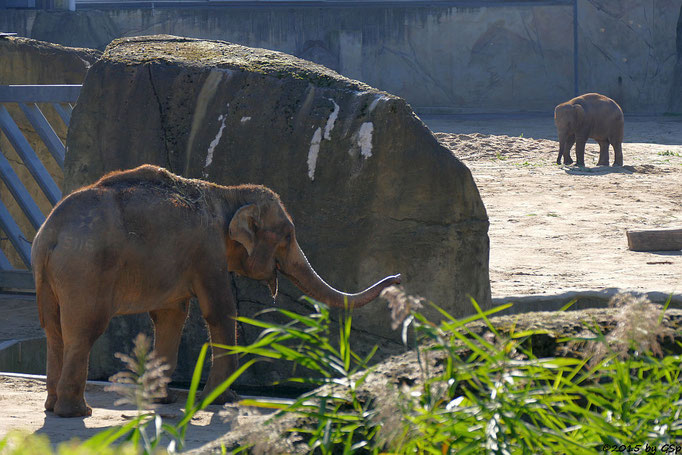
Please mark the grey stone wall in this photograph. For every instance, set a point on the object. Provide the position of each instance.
(439, 58)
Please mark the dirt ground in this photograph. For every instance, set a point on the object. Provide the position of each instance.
(556, 229)
(553, 229)
(22, 399)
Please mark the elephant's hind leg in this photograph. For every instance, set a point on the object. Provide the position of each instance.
(167, 332)
(82, 323)
(618, 152)
(49, 319)
(603, 153)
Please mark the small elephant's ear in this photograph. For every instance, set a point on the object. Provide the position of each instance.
(579, 114)
(242, 226)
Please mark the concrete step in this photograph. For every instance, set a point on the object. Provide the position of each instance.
(22, 340)
(23, 356)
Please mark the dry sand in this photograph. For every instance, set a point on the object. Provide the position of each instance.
(553, 229)
(22, 399)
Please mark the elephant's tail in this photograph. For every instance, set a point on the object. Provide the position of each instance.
(48, 306)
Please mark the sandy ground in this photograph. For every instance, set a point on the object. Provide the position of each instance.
(554, 229)
(22, 399)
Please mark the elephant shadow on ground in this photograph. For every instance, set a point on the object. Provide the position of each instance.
(605, 170)
(205, 426)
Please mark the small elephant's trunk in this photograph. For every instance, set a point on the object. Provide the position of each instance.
(301, 273)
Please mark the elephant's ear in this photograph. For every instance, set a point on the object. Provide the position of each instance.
(243, 225)
(579, 114)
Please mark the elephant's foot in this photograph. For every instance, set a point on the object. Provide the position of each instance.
(601, 163)
(617, 163)
(568, 161)
(580, 164)
(75, 408)
(50, 402)
(228, 396)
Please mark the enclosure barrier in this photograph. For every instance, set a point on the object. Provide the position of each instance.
(61, 98)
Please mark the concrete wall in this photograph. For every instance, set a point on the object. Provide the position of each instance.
(440, 58)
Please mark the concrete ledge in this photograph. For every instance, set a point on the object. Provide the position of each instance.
(583, 300)
(23, 356)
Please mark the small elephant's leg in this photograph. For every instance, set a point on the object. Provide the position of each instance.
(167, 332)
(219, 309)
(567, 150)
(580, 151)
(618, 152)
(80, 329)
(603, 153)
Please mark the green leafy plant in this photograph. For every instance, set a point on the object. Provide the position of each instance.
(144, 381)
(493, 393)
(479, 389)
(345, 422)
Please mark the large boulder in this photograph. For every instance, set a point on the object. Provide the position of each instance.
(29, 61)
(25, 62)
(371, 190)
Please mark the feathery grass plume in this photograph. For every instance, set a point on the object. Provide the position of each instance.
(638, 327)
(145, 379)
(401, 304)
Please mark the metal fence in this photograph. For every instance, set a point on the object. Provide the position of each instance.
(28, 97)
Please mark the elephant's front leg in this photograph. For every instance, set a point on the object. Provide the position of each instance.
(167, 333)
(580, 151)
(219, 308)
(566, 150)
(562, 144)
(603, 153)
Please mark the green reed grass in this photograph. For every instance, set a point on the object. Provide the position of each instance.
(479, 391)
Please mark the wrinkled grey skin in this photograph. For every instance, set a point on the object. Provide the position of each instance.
(590, 116)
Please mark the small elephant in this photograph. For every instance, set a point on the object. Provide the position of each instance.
(588, 116)
(146, 240)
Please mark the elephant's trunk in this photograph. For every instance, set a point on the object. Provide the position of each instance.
(301, 273)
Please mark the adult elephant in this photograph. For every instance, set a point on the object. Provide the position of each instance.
(146, 240)
(590, 116)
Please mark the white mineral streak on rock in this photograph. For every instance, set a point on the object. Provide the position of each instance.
(376, 101)
(364, 139)
(245, 119)
(206, 95)
(216, 140)
(313, 152)
(330, 122)
(86, 63)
